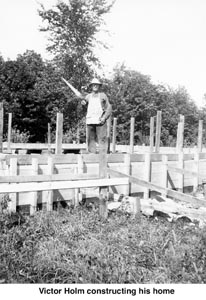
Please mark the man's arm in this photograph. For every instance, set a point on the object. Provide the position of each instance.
(107, 109)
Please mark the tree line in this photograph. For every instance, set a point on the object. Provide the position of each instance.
(31, 88)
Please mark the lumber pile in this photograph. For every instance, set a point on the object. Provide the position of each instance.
(172, 210)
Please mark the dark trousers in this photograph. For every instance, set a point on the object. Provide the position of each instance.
(97, 133)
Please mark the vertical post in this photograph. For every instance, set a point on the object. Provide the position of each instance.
(137, 208)
(164, 173)
(103, 191)
(151, 136)
(1, 126)
(127, 161)
(49, 138)
(114, 135)
(200, 130)
(158, 130)
(59, 133)
(78, 134)
(87, 144)
(34, 195)
(13, 196)
(49, 194)
(147, 174)
(131, 148)
(80, 163)
(180, 134)
(78, 170)
(181, 176)
(9, 132)
(109, 133)
(196, 169)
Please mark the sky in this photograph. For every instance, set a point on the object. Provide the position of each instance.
(165, 39)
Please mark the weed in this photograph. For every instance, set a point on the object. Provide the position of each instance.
(76, 246)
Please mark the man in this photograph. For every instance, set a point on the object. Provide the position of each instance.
(98, 111)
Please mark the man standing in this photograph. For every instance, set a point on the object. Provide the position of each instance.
(98, 111)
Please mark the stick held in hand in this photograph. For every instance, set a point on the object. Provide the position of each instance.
(75, 91)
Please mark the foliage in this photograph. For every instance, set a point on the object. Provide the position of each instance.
(72, 32)
(17, 136)
(75, 246)
(132, 94)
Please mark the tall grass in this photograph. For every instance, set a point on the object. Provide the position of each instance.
(76, 246)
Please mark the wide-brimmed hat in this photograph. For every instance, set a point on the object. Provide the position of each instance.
(95, 81)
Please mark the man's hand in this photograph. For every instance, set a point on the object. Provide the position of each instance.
(102, 121)
(83, 102)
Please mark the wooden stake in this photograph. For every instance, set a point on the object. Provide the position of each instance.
(34, 195)
(181, 176)
(87, 144)
(158, 131)
(1, 126)
(196, 166)
(50, 193)
(109, 133)
(59, 133)
(200, 130)
(164, 175)
(13, 196)
(127, 161)
(49, 138)
(78, 134)
(114, 135)
(79, 170)
(180, 134)
(131, 149)
(9, 132)
(151, 140)
(147, 174)
(103, 191)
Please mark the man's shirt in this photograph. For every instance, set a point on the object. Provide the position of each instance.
(96, 107)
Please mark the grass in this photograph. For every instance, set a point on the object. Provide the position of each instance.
(75, 246)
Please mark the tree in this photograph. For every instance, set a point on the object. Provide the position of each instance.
(133, 95)
(72, 32)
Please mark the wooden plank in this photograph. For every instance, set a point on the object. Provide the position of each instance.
(13, 172)
(87, 134)
(80, 166)
(78, 134)
(127, 168)
(59, 133)
(109, 124)
(131, 144)
(49, 194)
(45, 178)
(182, 171)
(196, 167)
(41, 146)
(180, 134)
(200, 130)
(151, 135)
(34, 195)
(158, 130)
(171, 193)
(9, 132)
(114, 135)
(147, 174)
(1, 126)
(164, 173)
(181, 176)
(49, 138)
(57, 185)
(103, 191)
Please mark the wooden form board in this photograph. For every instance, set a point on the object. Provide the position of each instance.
(168, 192)
(26, 159)
(65, 166)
